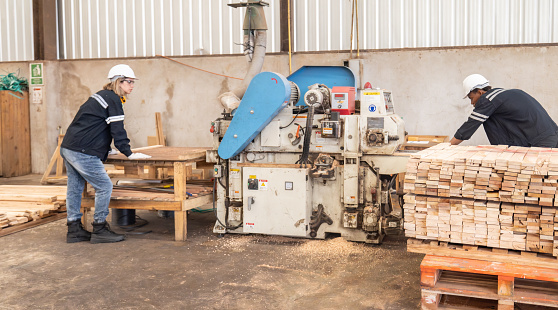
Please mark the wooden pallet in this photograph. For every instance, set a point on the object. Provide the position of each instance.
(438, 248)
(506, 285)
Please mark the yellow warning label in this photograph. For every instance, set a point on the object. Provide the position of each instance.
(376, 93)
(252, 177)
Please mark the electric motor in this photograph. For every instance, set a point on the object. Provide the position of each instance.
(318, 95)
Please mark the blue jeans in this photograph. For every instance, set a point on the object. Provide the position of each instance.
(82, 167)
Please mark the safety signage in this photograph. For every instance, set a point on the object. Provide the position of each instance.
(36, 70)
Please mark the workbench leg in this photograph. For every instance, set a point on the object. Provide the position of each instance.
(87, 217)
(180, 217)
(180, 225)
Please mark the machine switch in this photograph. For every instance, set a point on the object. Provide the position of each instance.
(253, 184)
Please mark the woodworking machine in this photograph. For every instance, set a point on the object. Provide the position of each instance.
(309, 155)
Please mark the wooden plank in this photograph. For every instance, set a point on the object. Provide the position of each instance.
(163, 153)
(418, 246)
(180, 217)
(53, 161)
(152, 140)
(21, 227)
(58, 190)
(23, 136)
(180, 225)
(490, 268)
(60, 160)
(159, 129)
(136, 204)
(269, 165)
(192, 203)
(27, 197)
(430, 300)
(505, 286)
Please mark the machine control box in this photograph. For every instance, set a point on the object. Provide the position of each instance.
(280, 205)
(330, 129)
(343, 100)
(217, 171)
(376, 102)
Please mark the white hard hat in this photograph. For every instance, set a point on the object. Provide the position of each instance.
(121, 71)
(474, 81)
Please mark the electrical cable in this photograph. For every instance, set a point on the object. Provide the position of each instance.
(294, 118)
(129, 229)
(220, 183)
(231, 77)
(307, 134)
(215, 209)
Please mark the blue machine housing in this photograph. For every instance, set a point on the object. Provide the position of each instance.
(267, 94)
(330, 76)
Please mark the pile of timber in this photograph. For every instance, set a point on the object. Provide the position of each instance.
(495, 196)
(22, 203)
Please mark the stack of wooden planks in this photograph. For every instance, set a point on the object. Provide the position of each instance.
(22, 203)
(494, 196)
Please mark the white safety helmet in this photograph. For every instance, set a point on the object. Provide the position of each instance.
(472, 82)
(119, 71)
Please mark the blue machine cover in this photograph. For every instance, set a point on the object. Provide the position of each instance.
(267, 94)
(330, 76)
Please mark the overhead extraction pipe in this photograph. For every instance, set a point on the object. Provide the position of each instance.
(255, 40)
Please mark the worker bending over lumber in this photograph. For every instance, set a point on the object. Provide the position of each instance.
(99, 121)
(509, 116)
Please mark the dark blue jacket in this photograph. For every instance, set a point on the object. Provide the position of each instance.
(99, 120)
(511, 117)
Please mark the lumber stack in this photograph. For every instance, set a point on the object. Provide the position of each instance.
(494, 196)
(22, 203)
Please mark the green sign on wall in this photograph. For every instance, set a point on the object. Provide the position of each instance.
(36, 74)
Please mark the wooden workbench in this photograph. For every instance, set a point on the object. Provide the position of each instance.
(177, 159)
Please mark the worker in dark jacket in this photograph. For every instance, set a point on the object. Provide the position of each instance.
(99, 121)
(509, 116)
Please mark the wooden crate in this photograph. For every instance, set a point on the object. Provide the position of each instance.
(15, 138)
(505, 285)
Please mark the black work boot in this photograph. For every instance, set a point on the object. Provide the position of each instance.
(103, 234)
(76, 232)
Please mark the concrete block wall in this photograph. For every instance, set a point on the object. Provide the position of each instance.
(426, 85)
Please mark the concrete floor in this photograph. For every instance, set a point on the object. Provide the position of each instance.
(38, 270)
